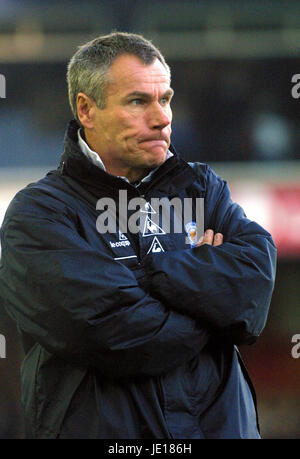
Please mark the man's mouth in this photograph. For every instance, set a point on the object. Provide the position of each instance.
(159, 141)
(155, 142)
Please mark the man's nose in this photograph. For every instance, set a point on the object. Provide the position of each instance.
(160, 117)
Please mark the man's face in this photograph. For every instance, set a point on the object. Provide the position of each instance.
(132, 133)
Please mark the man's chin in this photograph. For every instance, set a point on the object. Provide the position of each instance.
(156, 157)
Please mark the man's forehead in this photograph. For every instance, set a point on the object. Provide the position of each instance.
(127, 71)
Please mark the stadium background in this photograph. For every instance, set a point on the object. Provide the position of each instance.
(232, 64)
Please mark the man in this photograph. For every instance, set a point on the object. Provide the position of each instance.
(132, 334)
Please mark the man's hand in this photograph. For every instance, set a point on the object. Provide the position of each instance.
(211, 238)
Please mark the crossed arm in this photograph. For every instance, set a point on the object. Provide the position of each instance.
(227, 281)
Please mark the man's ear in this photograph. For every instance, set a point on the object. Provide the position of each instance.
(85, 110)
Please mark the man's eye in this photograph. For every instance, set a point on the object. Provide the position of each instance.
(164, 101)
(137, 101)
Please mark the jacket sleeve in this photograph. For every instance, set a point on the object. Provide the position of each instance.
(229, 287)
(84, 306)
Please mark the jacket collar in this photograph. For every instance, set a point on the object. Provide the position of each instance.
(171, 176)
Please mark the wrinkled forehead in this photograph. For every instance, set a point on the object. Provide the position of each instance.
(128, 72)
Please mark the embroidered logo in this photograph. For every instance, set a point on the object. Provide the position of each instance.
(151, 228)
(123, 241)
(156, 246)
(191, 230)
(148, 209)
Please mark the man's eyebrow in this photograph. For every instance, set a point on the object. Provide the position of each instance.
(146, 95)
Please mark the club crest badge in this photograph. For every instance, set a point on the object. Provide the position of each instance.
(191, 231)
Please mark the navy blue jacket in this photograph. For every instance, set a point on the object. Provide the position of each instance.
(121, 340)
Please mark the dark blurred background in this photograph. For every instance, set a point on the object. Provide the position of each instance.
(235, 108)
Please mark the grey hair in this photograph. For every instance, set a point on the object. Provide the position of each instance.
(88, 67)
